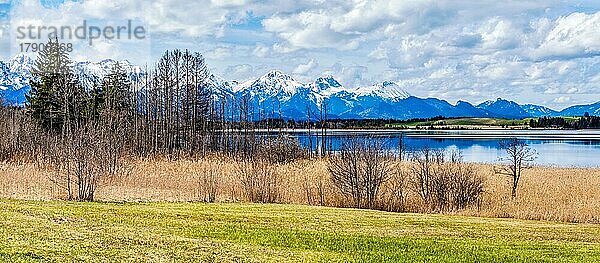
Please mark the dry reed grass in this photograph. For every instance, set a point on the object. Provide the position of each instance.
(545, 193)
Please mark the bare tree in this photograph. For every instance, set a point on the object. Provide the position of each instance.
(397, 194)
(362, 166)
(520, 156)
(209, 180)
(423, 161)
(259, 179)
(467, 186)
(443, 181)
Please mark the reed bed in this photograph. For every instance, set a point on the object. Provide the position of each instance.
(545, 193)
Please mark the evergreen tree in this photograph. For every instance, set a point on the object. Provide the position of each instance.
(116, 89)
(96, 102)
(56, 98)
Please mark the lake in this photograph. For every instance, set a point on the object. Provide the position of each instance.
(562, 148)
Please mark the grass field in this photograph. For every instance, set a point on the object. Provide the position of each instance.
(36, 231)
(473, 122)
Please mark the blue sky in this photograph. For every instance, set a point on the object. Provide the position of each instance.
(543, 52)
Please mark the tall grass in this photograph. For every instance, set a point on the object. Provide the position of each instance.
(545, 193)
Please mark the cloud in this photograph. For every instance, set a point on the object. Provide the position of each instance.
(563, 99)
(575, 35)
(242, 71)
(261, 51)
(305, 68)
(164, 16)
(499, 34)
(310, 30)
(534, 51)
(218, 53)
(345, 26)
(468, 40)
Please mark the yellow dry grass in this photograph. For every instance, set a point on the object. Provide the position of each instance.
(557, 194)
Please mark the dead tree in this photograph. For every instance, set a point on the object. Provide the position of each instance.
(520, 156)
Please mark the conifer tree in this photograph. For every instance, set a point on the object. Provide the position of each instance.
(116, 89)
(96, 102)
(56, 97)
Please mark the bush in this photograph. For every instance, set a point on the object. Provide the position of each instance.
(259, 179)
(360, 169)
(445, 185)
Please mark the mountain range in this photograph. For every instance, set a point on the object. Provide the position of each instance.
(278, 93)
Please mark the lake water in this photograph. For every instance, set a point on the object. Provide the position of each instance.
(554, 147)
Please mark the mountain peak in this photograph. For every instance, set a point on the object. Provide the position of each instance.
(325, 83)
(276, 74)
(462, 102)
(20, 63)
(275, 81)
(386, 89)
(388, 83)
(504, 108)
(383, 100)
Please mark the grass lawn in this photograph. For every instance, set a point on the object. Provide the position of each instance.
(182, 232)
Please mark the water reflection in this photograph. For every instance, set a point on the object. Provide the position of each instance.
(483, 147)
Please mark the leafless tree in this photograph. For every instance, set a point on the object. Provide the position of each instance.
(520, 156)
(209, 180)
(360, 169)
(397, 195)
(443, 181)
(424, 160)
(259, 179)
(466, 184)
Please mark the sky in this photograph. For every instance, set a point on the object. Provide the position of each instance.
(542, 52)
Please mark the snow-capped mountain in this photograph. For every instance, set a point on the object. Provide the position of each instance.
(388, 90)
(580, 110)
(14, 79)
(91, 73)
(273, 83)
(537, 111)
(221, 87)
(278, 93)
(15, 75)
(504, 108)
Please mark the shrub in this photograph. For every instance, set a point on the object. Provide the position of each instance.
(362, 166)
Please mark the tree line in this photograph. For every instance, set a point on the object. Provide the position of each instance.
(585, 122)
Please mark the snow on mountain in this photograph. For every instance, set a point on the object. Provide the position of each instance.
(325, 83)
(504, 109)
(326, 86)
(14, 81)
(272, 83)
(538, 111)
(277, 92)
(220, 88)
(21, 63)
(16, 77)
(92, 73)
(387, 90)
(580, 110)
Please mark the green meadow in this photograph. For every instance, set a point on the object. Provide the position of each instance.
(36, 231)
